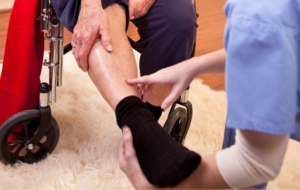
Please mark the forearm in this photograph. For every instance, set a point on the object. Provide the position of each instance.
(206, 176)
(213, 62)
(255, 158)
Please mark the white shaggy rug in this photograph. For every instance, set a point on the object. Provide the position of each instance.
(86, 156)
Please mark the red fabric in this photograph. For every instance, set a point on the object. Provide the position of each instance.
(22, 63)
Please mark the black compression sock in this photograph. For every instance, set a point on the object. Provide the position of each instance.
(155, 110)
(164, 162)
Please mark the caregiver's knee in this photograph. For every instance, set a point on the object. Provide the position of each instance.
(255, 158)
(264, 153)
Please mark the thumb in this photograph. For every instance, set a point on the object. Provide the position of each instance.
(127, 142)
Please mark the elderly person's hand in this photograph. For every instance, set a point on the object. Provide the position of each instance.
(92, 23)
(138, 8)
(129, 164)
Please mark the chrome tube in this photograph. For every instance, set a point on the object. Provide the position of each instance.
(44, 94)
(184, 96)
(53, 31)
(55, 58)
(57, 46)
(53, 62)
(44, 99)
(52, 83)
(44, 15)
(60, 54)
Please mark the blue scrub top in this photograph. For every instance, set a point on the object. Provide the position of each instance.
(262, 40)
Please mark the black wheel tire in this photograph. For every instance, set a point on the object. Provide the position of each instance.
(22, 127)
(176, 124)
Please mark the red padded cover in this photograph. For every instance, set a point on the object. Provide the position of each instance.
(22, 63)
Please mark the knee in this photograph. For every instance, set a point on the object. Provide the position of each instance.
(182, 19)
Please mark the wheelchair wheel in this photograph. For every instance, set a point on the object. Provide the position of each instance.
(18, 130)
(176, 124)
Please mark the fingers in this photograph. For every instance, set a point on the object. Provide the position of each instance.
(83, 45)
(74, 46)
(104, 32)
(170, 99)
(146, 92)
(131, 12)
(129, 164)
(143, 84)
(122, 161)
(126, 149)
(140, 90)
(128, 144)
(80, 51)
(139, 8)
(140, 80)
(83, 53)
(85, 34)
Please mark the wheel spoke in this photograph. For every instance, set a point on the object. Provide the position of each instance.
(42, 146)
(26, 128)
(19, 150)
(29, 153)
(14, 143)
(33, 127)
(20, 136)
(24, 123)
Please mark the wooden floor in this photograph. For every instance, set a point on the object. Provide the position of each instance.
(209, 35)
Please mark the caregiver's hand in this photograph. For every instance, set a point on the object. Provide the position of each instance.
(129, 164)
(178, 77)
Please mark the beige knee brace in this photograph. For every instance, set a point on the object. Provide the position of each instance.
(255, 158)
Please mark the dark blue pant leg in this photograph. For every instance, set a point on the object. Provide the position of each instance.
(229, 139)
(167, 34)
(296, 134)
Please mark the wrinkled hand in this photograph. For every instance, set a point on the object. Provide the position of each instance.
(177, 76)
(138, 8)
(92, 23)
(129, 164)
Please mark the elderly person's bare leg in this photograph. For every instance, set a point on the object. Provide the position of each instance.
(155, 149)
(108, 70)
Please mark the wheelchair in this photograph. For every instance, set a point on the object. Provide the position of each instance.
(30, 135)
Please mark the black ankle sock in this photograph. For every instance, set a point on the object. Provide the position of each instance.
(155, 110)
(164, 161)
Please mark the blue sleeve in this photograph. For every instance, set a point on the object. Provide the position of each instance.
(262, 66)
